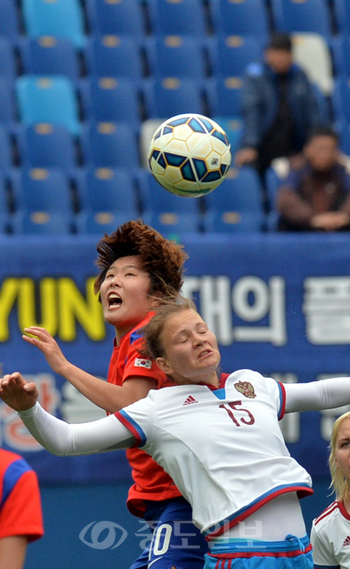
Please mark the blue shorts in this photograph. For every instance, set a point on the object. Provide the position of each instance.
(176, 542)
(293, 553)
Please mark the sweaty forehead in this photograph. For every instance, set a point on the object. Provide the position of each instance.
(182, 320)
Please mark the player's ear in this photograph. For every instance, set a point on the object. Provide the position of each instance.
(164, 366)
(154, 297)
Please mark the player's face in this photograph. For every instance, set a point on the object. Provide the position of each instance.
(191, 349)
(342, 449)
(124, 294)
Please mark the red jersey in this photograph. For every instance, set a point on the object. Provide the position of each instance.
(151, 482)
(20, 505)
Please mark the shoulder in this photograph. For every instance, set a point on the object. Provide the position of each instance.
(243, 380)
(13, 461)
(138, 330)
(246, 375)
(327, 517)
(298, 72)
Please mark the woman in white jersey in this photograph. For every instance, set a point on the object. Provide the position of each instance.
(330, 533)
(221, 443)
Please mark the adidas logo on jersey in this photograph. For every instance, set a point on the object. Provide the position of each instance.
(190, 400)
(346, 541)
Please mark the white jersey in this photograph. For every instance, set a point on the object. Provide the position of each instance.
(330, 537)
(224, 483)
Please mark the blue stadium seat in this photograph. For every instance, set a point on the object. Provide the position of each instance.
(8, 106)
(109, 144)
(124, 17)
(62, 18)
(233, 128)
(340, 49)
(273, 181)
(224, 96)
(49, 55)
(106, 190)
(99, 223)
(114, 56)
(45, 145)
(5, 216)
(50, 99)
(344, 137)
(9, 19)
(43, 200)
(172, 96)
(340, 99)
(8, 68)
(307, 16)
(175, 56)
(247, 17)
(230, 55)
(169, 214)
(110, 99)
(236, 205)
(184, 17)
(6, 150)
(342, 16)
(107, 198)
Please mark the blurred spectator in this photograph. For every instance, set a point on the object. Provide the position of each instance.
(279, 106)
(315, 196)
(20, 509)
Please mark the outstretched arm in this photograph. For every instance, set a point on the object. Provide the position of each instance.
(64, 439)
(55, 435)
(317, 395)
(109, 397)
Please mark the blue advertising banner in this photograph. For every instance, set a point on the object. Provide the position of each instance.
(279, 304)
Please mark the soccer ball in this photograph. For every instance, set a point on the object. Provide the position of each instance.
(189, 155)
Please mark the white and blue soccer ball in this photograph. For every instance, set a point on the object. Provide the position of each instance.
(189, 155)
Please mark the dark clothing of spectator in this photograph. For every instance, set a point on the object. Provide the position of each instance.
(278, 112)
(306, 193)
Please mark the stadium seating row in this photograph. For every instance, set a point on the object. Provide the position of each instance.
(74, 19)
(159, 57)
(94, 200)
(54, 99)
(75, 109)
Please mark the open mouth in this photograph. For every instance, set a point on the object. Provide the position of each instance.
(114, 299)
(204, 353)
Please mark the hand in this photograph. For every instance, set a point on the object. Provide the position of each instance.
(330, 220)
(18, 393)
(49, 347)
(245, 156)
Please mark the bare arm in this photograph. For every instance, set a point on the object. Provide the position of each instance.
(317, 395)
(109, 397)
(13, 551)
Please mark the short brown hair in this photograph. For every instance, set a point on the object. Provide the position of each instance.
(153, 346)
(162, 259)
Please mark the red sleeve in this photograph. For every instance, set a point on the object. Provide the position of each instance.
(137, 366)
(21, 514)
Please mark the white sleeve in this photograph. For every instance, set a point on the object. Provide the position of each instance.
(317, 395)
(322, 550)
(64, 439)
